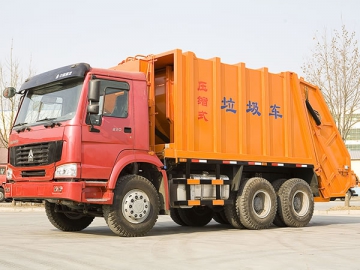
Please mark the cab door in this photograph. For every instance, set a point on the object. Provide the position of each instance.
(114, 129)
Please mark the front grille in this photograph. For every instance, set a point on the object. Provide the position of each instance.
(33, 173)
(32, 155)
(36, 154)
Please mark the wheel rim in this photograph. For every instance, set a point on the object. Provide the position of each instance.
(301, 203)
(261, 204)
(2, 196)
(136, 206)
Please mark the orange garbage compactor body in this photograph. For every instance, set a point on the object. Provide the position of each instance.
(205, 109)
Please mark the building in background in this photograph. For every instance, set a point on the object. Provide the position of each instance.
(3, 155)
(355, 161)
(353, 145)
(355, 166)
(353, 139)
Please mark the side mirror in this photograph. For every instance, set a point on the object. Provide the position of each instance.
(9, 92)
(94, 90)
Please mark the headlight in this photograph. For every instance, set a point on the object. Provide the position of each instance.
(9, 173)
(67, 170)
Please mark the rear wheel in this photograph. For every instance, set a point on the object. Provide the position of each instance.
(296, 203)
(231, 213)
(257, 203)
(135, 207)
(278, 221)
(196, 216)
(220, 217)
(175, 216)
(63, 219)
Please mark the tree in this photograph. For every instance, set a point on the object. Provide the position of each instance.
(335, 68)
(10, 75)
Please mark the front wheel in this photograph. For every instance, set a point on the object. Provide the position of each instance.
(296, 203)
(135, 207)
(2, 195)
(62, 218)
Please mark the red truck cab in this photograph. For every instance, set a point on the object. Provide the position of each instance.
(68, 145)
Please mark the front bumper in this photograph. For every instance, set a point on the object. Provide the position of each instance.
(82, 192)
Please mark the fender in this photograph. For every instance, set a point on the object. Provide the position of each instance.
(129, 156)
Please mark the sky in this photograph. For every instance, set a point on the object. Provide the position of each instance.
(267, 33)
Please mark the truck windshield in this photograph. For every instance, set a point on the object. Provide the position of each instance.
(57, 102)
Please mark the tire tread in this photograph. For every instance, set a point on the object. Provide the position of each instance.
(119, 225)
(287, 215)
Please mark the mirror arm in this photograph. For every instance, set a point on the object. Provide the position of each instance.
(92, 128)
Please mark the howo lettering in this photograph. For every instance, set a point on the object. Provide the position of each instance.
(174, 134)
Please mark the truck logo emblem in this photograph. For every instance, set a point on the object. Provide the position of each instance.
(31, 156)
(62, 75)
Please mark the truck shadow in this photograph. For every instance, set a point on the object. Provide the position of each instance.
(163, 228)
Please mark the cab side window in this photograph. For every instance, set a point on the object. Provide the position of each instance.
(113, 102)
(116, 103)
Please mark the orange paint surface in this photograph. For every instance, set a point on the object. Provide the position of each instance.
(206, 109)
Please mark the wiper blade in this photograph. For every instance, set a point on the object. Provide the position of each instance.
(46, 119)
(20, 124)
(18, 130)
(51, 123)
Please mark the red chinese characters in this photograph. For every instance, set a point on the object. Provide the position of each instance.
(202, 101)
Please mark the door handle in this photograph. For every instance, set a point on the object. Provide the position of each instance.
(127, 130)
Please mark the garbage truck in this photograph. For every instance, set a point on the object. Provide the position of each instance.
(193, 138)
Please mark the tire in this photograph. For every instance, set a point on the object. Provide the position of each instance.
(257, 204)
(135, 207)
(175, 216)
(67, 222)
(231, 213)
(222, 214)
(278, 221)
(296, 203)
(332, 199)
(2, 195)
(220, 217)
(197, 216)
